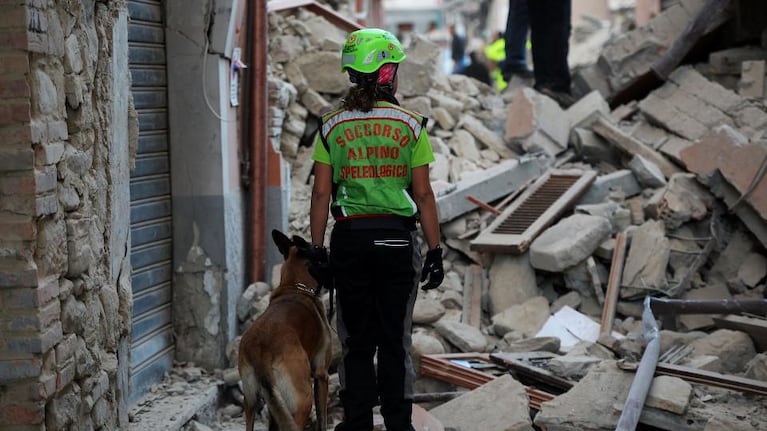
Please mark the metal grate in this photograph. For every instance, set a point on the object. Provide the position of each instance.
(536, 204)
(539, 206)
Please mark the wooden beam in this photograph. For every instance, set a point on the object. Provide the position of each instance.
(613, 285)
(631, 145)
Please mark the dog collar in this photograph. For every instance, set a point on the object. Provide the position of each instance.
(301, 286)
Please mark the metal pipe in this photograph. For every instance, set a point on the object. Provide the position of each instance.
(632, 408)
(716, 306)
(257, 139)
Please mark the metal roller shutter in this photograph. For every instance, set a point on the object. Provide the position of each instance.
(152, 346)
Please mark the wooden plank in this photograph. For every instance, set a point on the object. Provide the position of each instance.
(613, 285)
(755, 328)
(711, 378)
(631, 145)
(489, 240)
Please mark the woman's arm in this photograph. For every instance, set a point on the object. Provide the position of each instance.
(321, 191)
(427, 205)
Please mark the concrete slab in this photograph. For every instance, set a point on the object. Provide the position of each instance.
(497, 182)
(499, 405)
(622, 180)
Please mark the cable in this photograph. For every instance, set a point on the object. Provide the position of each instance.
(204, 89)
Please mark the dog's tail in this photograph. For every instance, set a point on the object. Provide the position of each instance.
(278, 409)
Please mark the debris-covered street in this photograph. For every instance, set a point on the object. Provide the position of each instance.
(580, 239)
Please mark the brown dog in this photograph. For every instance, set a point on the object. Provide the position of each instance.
(288, 346)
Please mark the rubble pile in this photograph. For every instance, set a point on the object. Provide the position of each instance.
(667, 199)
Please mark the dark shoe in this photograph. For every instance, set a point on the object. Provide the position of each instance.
(565, 100)
(521, 71)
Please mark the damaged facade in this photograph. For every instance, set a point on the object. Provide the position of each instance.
(98, 233)
(534, 199)
(128, 181)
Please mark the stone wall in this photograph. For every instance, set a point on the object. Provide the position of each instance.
(64, 270)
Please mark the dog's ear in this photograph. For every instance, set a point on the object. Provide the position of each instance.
(283, 242)
(300, 242)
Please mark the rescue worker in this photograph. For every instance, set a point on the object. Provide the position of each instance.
(372, 173)
(495, 52)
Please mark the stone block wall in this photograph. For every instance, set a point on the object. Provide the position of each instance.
(64, 279)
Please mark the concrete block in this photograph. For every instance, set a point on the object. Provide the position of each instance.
(667, 26)
(495, 183)
(465, 337)
(580, 409)
(583, 112)
(591, 78)
(673, 147)
(499, 405)
(622, 180)
(511, 281)
(568, 242)
(669, 393)
(665, 113)
(734, 349)
(593, 147)
(534, 122)
(728, 61)
(682, 200)
(522, 321)
(647, 172)
(486, 136)
(692, 82)
(752, 79)
(572, 367)
(647, 258)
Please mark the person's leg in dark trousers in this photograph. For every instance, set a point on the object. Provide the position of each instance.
(549, 34)
(375, 278)
(350, 259)
(517, 25)
(398, 290)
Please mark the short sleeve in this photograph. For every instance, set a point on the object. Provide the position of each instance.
(422, 152)
(320, 154)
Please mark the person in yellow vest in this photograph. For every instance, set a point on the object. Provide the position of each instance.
(372, 174)
(495, 52)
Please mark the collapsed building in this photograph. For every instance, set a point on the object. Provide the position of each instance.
(566, 227)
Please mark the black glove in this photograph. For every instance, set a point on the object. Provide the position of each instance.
(432, 268)
(319, 266)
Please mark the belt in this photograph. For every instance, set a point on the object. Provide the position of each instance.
(383, 222)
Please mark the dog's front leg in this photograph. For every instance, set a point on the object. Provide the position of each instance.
(321, 399)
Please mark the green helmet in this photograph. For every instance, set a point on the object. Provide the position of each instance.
(368, 49)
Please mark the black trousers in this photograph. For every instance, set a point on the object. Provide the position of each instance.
(376, 276)
(549, 35)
